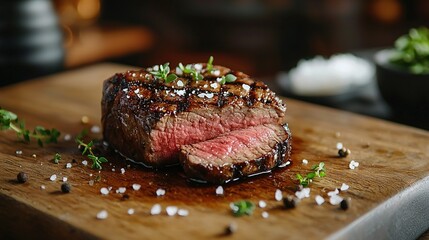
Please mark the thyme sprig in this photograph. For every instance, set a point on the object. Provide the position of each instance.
(228, 78)
(242, 207)
(88, 149)
(318, 170)
(9, 121)
(189, 69)
(57, 158)
(209, 66)
(163, 72)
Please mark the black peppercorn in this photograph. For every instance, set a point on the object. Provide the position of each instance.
(22, 177)
(290, 202)
(65, 187)
(344, 152)
(231, 228)
(344, 204)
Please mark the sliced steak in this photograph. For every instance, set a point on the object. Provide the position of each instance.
(237, 154)
(147, 119)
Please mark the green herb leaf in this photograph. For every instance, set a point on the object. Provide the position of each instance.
(170, 78)
(228, 78)
(209, 66)
(242, 207)
(318, 170)
(57, 158)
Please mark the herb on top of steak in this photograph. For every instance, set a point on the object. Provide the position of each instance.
(149, 120)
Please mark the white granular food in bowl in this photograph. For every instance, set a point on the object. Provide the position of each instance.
(323, 77)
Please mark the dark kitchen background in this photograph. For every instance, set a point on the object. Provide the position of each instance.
(259, 37)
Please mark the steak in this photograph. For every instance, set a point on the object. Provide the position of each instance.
(237, 154)
(147, 119)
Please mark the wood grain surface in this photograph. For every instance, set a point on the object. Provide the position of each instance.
(391, 177)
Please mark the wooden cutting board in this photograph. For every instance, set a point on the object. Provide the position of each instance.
(388, 191)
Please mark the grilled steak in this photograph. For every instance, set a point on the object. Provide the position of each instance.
(237, 154)
(147, 119)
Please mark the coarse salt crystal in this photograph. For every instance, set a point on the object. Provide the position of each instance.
(180, 83)
(136, 186)
(205, 86)
(179, 72)
(201, 95)
(198, 67)
(65, 179)
(113, 169)
(18, 152)
(68, 165)
(183, 212)
(155, 68)
(53, 177)
(155, 210)
(335, 200)
(109, 188)
(102, 215)
(104, 191)
(319, 200)
(353, 164)
(130, 211)
(332, 193)
(84, 162)
(67, 137)
(265, 214)
(121, 190)
(339, 145)
(216, 72)
(219, 190)
(304, 161)
(42, 187)
(123, 90)
(171, 210)
(262, 204)
(246, 87)
(278, 195)
(344, 187)
(304, 193)
(209, 95)
(95, 129)
(160, 192)
(180, 92)
(214, 85)
(122, 170)
(219, 79)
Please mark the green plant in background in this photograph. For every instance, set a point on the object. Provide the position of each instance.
(412, 51)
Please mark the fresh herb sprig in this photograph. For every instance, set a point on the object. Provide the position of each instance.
(188, 69)
(412, 51)
(87, 148)
(209, 66)
(227, 78)
(242, 207)
(164, 73)
(318, 170)
(9, 121)
(57, 158)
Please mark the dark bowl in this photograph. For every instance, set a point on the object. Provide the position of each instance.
(403, 90)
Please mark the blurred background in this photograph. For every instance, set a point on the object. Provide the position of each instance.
(260, 37)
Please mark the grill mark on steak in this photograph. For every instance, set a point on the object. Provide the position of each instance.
(203, 163)
(154, 104)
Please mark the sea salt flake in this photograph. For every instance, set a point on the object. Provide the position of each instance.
(205, 86)
(136, 186)
(84, 162)
(102, 215)
(246, 87)
(122, 189)
(67, 137)
(65, 179)
(304, 193)
(42, 187)
(219, 190)
(182, 212)
(344, 187)
(319, 200)
(265, 214)
(122, 170)
(209, 95)
(214, 85)
(137, 91)
(18, 152)
(201, 95)
(262, 204)
(53, 177)
(304, 161)
(104, 191)
(181, 92)
(332, 193)
(353, 164)
(179, 72)
(125, 90)
(155, 210)
(68, 165)
(216, 72)
(339, 145)
(278, 195)
(198, 67)
(335, 200)
(155, 68)
(95, 129)
(130, 211)
(171, 210)
(160, 192)
(219, 79)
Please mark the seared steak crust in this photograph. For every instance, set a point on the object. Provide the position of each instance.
(147, 119)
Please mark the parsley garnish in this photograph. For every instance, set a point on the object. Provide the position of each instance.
(318, 171)
(209, 66)
(163, 73)
(191, 71)
(9, 120)
(57, 158)
(228, 78)
(87, 148)
(242, 207)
